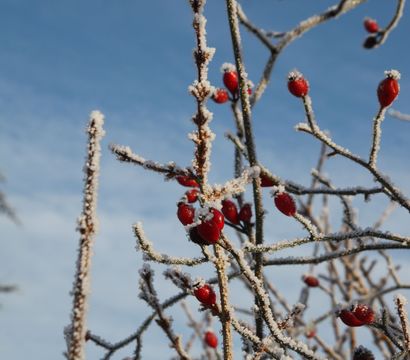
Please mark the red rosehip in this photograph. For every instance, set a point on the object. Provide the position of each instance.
(245, 213)
(371, 25)
(349, 318)
(388, 88)
(311, 281)
(230, 79)
(206, 295)
(361, 353)
(220, 96)
(285, 204)
(310, 333)
(192, 195)
(364, 313)
(185, 213)
(209, 231)
(266, 182)
(186, 181)
(297, 84)
(230, 211)
(218, 218)
(210, 339)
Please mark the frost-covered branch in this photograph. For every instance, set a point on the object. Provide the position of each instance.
(401, 302)
(87, 226)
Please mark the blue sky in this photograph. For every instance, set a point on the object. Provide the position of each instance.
(133, 61)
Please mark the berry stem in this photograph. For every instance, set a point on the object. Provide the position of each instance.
(220, 265)
(232, 8)
(377, 131)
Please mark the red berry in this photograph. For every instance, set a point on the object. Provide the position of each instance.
(185, 213)
(388, 88)
(195, 237)
(245, 213)
(285, 204)
(361, 353)
(218, 218)
(211, 339)
(209, 231)
(310, 333)
(186, 181)
(266, 182)
(311, 281)
(206, 295)
(364, 313)
(349, 318)
(220, 96)
(371, 25)
(230, 79)
(230, 211)
(192, 195)
(297, 84)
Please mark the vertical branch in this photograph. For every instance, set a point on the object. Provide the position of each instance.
(376, 136)
(201, 89)
(220, 265)
(401, 310)
(247, 123)
(87, 226)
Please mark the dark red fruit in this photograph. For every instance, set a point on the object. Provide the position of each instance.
(349, 318)
(186, 181)
(371, 25)
(230, 79)
(245, 213)
(195, 237)
(209, 231)
(230, 211)
(297, 84)
(311, 281)
(310, 333)
(388, 89)
(185, 213)
(285, 204)
(192, 195)
(210, 339)
(220, 96)
(266, 182)
(364, 313)
(361, 353)
(206, 295)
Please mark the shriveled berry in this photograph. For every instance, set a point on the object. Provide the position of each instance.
(195, 237)
(209, 231)
(297, 84)
(192, 195)
(206, 295)
(220, 96)
(266, 182)
(311, 281)
(349, 318)
(230, 80)
(186, 181)
(218, 218)
(370, 42)
(210, 339)
(285, 203)
(371, 25)
(364, 313)
(230, 211)
(388, 88)
(185, 213)
(362, 353)
(245, 214)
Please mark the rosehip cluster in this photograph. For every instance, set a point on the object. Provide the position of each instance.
(209, 230)
(231, 213)
(357, 315)
(231, 82)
